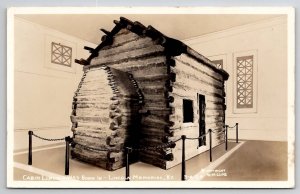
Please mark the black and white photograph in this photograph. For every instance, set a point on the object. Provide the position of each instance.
(159, 97)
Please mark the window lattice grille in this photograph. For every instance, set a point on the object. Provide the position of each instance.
(245, 82)
(218, 63)
(61, 54)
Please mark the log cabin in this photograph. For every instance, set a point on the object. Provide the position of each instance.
(162, 89)
(105, 116)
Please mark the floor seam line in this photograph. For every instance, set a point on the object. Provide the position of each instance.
(38, 149)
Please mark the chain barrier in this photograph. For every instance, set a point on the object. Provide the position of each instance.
(218, 133)
(162, 146)
(214, 131)
(73, 144)
(177, 140)
(232, 126)
(200, 137)
(48, 139)
(153, 148)
(127, 150)
(166, 145)
(176, 128)
(236, 126)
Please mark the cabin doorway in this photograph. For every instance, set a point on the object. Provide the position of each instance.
(202, 105)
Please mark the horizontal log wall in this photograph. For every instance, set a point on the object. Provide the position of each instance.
(104, 117)
(163, 87)
(146, 61)
(191, 78)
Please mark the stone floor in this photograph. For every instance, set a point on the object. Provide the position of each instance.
(256, 161)
(251, 160)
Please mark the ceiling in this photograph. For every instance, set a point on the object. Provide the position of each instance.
(86, 26)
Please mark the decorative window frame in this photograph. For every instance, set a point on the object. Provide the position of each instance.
(49, 40)
(61, 54)
(222, 57)
(255, 81)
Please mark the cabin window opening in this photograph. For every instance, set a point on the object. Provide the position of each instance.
(61, 54)
(188, 112)
(245, 82)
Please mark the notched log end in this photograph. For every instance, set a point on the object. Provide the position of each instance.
(138, 28)
(106, 41)
(82, 62)
(174, 47)
(171, 62)
(172, 145)
(165, 139)
(108, 140)
(116, 22)
(173, 77)
(169, 157)
(153, 33)
(73, 119)
(91, 50)
(124, 21)
(171, 99)
(129, 27)
(105, 31)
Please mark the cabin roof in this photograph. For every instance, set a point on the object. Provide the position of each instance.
(172, 46)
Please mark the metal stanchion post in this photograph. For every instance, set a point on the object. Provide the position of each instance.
(210, 145)
(226, 137)
(237, 132)
(183, 137)
(67, 156)
(127, 172)
(30, 148)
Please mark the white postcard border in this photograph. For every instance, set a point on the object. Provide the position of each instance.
(152, 10)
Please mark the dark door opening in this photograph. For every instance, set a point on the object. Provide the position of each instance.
(202, 105)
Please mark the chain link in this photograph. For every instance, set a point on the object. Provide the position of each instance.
(167, 145)
(176, 128)
(200, 137)
(193, 138)
(162, 146)
(214, 131)
(48, 139)
(96, 149)
(177, 140)
(232, 126)
(221, 132)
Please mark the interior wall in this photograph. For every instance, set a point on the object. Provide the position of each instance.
(43, 91)
(268, 40)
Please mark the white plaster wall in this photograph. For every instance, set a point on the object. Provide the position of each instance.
(269, 40)
(42, 95)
